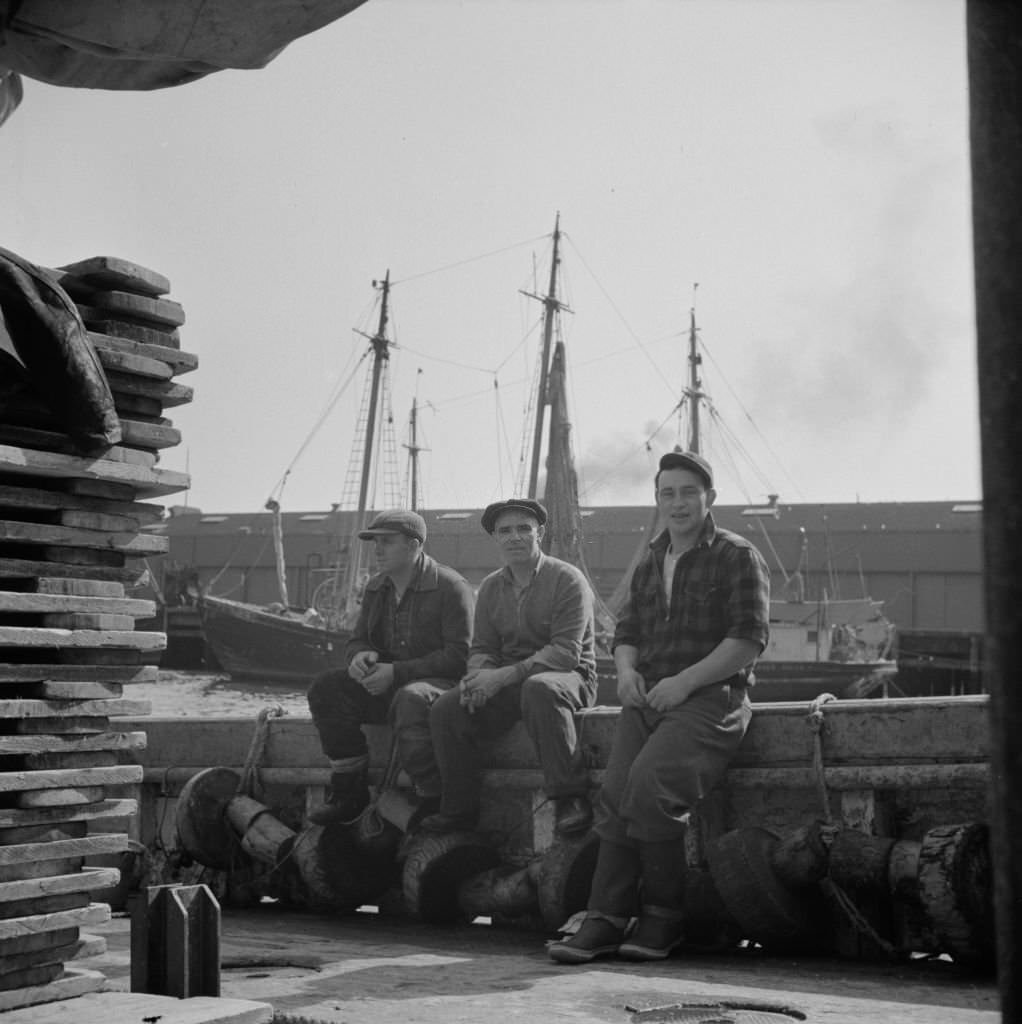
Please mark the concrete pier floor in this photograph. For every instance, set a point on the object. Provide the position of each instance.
(374, 969)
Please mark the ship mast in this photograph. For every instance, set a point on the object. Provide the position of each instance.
(551, 308)
(414, 448)
(381, 354)
(694, 392)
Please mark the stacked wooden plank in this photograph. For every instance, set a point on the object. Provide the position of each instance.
(72, 545)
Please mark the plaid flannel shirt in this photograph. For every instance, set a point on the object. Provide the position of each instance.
(721, 589)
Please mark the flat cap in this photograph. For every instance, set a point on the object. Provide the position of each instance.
(411, 524)
(688, 460)
(526, 505)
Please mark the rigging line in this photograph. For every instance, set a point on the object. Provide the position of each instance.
(450, 362)
(502, 435)
(773, 551)
(752, 422)
(727, 433)
(465, 262)
(727, 456)
(278, 488)
(525, 337)
(613, 305)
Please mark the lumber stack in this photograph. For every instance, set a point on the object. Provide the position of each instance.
(73, 542)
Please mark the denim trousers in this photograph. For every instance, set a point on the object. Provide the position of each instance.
(340, 706)
(546, 703)
(662, 764)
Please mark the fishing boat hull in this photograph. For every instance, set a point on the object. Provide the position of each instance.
(250, 642)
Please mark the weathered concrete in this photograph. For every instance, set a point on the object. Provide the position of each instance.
(372, 969)
(118, 1007)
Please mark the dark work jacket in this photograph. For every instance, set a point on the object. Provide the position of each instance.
(440, 624)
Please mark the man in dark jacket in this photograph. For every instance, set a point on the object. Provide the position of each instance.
(410, 645)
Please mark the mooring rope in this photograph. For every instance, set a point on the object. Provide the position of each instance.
(840, 899)
(815, 720)
(257, 747)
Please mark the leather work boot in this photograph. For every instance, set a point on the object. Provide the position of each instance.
(347, 799)
(572, 815)
(658, 931)
(597, 937)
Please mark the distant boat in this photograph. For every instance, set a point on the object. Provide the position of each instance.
(282, 643)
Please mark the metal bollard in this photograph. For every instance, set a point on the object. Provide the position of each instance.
(175, 941)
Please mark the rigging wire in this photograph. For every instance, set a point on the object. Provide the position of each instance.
(278, 488)
(465, 262)
(749, 418)
(613, 305)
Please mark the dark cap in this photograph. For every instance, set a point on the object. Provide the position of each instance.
(411, 524)
(690, 461)
(526, 505)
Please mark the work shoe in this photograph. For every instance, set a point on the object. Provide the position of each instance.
(572, 814)
(444, 821)
(597, 937)
(659, 930)
(347, 799)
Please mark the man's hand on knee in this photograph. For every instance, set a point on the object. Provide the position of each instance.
(379, 679)
(631, 688)
(362, 664)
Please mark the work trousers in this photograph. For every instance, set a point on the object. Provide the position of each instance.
(340, 706)
(546, 703)
(662, 764)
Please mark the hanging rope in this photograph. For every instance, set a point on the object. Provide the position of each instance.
(815, 720)
(257, 748)
(841, 900)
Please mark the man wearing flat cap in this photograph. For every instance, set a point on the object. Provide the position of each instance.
(696, 618)
(408, 646)
(532, 658)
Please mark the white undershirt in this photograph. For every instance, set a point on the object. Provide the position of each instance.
(670, 563)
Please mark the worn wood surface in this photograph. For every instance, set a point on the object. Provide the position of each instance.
(11, 817)
(13, 781)
(132, 307)
(64, 744)
(143, 481)
(149, 435)
(73, 982)
(168, 394)
(16, 497)
(68, 603)
(108, 272)
(87, 880)
(178, 361)
(51, 441)
(69, 797)
(88, 846)
(105, 324)
(74, 674)
(27, 636)
(82, 759)
(22, 708)
(60, 536)
(85, 620)
(131, 362)
(24, 568)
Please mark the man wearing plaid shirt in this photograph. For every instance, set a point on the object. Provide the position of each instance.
(696, 619)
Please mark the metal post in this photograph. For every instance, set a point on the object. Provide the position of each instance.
(995, 100)
(175, 941)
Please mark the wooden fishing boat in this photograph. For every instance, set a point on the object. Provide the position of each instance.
(281, 643)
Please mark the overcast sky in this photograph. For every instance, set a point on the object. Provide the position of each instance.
(805, 162)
